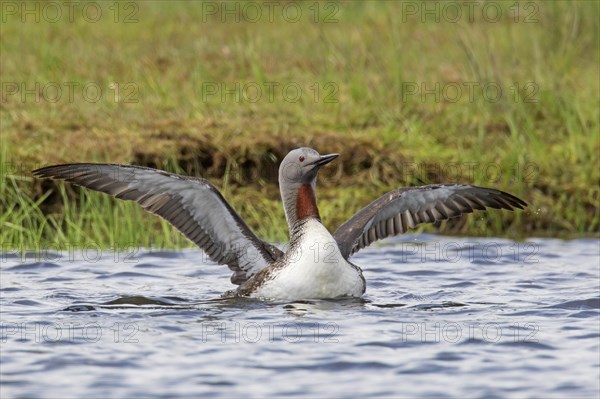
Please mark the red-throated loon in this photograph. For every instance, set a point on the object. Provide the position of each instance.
(316, 263)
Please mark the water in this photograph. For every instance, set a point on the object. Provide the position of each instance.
(442, 317)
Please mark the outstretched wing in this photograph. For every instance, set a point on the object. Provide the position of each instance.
(393, 213)
(193, 205)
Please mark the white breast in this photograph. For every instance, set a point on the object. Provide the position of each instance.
(314, 269)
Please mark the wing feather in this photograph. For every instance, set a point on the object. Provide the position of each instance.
(192, 205)
(397, 211)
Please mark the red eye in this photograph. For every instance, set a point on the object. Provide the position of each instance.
(301, 159)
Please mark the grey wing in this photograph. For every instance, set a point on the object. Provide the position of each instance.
(193, 205)
(397, 211)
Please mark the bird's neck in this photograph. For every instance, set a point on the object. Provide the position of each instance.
(300, 203)
(306, 203)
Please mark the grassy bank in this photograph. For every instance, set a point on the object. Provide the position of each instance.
(510, 102)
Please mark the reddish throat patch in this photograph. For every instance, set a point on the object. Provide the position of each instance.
(306, 203)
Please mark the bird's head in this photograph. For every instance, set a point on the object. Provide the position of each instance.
(301, 166)
(297, 181)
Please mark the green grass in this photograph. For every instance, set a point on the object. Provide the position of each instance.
(546, 151)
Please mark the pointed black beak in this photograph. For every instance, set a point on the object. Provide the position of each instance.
(325, 159)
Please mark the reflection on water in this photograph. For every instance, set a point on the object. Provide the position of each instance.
(441, 317)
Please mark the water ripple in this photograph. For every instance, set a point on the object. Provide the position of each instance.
(477, 327)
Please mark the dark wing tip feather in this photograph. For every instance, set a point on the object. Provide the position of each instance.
(48, 171)
(57, 170)
(510, 201)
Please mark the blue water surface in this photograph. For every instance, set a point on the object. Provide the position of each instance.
(442, 317)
